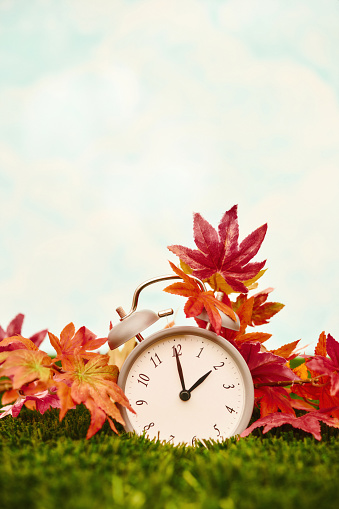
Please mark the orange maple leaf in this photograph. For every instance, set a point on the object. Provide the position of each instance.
(320, 349)
(24, 342)
(287, 351)
(74, 343)
(261, 310)
(198, 299)
(259, 337)
(94, 385)
(24, 366)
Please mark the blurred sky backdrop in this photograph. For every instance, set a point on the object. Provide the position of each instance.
(120, 118)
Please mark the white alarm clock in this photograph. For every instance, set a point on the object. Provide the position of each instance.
(185, 383)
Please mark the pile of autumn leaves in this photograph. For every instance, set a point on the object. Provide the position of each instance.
(34, 379)
(30, 377)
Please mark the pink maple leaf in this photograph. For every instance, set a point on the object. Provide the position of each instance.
(265, 366)
(219, 252)
(14, 329)
(44, 401)
(308, 422)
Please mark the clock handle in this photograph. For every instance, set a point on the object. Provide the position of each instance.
(157, 280)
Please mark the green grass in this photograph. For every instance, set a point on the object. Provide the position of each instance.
(44, 464)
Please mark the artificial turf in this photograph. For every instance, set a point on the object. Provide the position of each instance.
(45, 464)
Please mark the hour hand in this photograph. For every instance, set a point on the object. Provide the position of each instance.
(198, 382)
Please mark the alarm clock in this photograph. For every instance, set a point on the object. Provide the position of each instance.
(186, 384)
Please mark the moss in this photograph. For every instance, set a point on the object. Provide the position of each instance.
(46, 464)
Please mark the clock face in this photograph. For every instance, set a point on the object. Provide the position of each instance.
(187, 384)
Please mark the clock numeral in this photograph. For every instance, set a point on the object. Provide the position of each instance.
(228, 386)
(219, 365)
(217, 429)
(157, 360)
(176, 348)
(141, 402)
(171, 438)
(230, 409)
(148, 426)
(143, 379)
(201, 349)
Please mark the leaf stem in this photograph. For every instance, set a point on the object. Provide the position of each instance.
(55, 367)
(286, 383)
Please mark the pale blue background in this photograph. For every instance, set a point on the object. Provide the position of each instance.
(120, 118)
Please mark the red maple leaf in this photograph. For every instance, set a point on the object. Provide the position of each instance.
(14, 329)
(308, 422)
(265, 366)
(272, 399)
(322, 365)
(321, 391)
(198, 299)
(219, 252)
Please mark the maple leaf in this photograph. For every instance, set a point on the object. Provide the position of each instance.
(301, 371)
(219, 252)
(272, 399)
(20, 343)
(259, 337)
(198, 300)
(24, 366)
(318, 394)
(265, 366)
(244, 309)
(43, 402)
(244, 312)
(14, 329)
(261, 310)
(9, 396)
(287, 351)
(94, 385)
(327, 366)
(74, 343)
(308, 422)
(320, 348)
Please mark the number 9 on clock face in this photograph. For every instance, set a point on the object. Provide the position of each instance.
(186, 384)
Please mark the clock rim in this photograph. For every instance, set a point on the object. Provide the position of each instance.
(212, 336)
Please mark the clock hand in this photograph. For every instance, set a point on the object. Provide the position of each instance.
(198, 382)
(181, 375)
(184, 395)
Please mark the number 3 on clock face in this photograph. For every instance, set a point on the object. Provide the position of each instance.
(187, 384)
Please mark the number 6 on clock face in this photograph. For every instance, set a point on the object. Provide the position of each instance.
(187, 384)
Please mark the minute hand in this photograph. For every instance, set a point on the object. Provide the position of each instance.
(181, 375)
(198, 382)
